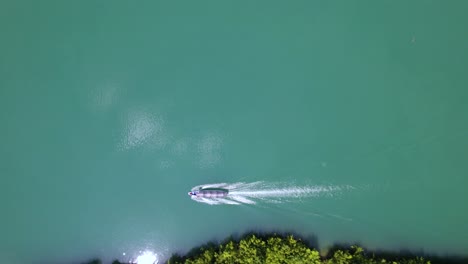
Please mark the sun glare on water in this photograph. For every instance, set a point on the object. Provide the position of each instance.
(147, 257)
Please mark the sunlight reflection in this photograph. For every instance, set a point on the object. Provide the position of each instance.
(147, 257)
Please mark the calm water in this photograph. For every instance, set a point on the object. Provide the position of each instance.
(111, 112)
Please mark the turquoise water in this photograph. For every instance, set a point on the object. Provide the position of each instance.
(111, 112)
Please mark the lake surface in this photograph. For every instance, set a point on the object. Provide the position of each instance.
(343, 121)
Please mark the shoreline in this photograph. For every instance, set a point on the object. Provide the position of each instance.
(272, 247)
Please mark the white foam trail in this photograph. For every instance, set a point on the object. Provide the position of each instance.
(226, 201)
(285, 192)
(251, 193)
(242, 199)
(206, 200)
(216, 185)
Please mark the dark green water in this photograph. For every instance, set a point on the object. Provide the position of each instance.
(110, 111)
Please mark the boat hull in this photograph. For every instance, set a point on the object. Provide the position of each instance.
(211, 193)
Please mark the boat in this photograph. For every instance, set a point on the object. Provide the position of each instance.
(209, 193)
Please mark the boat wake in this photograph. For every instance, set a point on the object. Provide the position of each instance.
(251, 193)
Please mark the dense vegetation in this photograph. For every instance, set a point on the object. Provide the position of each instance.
(278, 250)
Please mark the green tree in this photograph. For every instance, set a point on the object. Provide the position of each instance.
(227, 253)
(280, 250)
